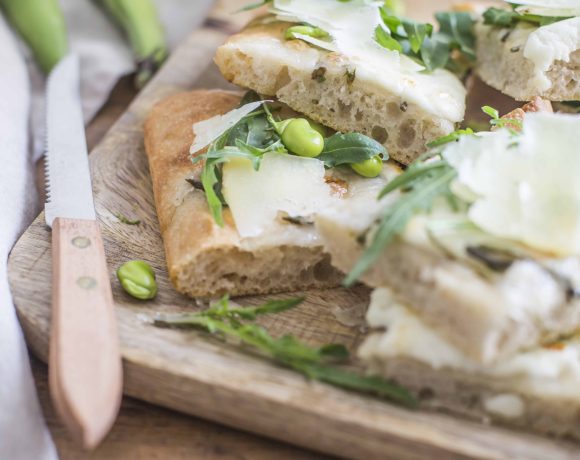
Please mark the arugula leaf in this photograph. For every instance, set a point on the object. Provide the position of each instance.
(545, 20)
(458, 28)
(223, 310)
(277, 126)
(340, 149)
(385, 39)
(435, 52)
(312, 362)
(390, 20)
(334, 351)
(420, 186)
(416, 33)
(421, 43)
(513, 124)
(414, 172)
(501, 17)
(258, 133)
(211, 173)
(256, 152)
(451, 137)
(368, 384)
(493, 113)
(242, 150)
(209, 180)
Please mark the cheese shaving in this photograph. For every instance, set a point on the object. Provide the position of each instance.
(328, 46)
(548, 7)
(527, 186)
(284, 183)
(554, 42)
(350, 24)
(209, 130)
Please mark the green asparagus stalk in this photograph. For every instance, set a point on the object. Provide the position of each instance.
(41, 25)
(139, 20)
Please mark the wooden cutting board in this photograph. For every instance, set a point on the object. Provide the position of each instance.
(199, 375)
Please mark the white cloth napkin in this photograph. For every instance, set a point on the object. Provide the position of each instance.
(105, 57)
(22, 431)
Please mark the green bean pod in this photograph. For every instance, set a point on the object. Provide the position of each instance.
(139, 20)
(41, 25)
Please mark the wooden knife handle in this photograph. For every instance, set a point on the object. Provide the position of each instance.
(85, 369)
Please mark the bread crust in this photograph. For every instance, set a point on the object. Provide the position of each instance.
(203, 259)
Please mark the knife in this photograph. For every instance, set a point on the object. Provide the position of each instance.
(85, 369)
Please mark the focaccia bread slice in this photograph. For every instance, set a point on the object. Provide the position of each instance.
(491, 297)
(403, 113)
(486, 317)
(517, 62)
(537, 389)
(203, 259)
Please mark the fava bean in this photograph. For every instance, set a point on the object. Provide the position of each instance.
(314, 32)
(138, 279)
(369, 168)
(318, 127)
(300, 138)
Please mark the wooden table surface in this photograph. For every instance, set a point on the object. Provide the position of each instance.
(144, 431)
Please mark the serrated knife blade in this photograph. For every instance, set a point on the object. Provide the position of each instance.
(84, 364)
(68, 177)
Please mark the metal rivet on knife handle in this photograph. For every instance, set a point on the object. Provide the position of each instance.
(81, 242)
